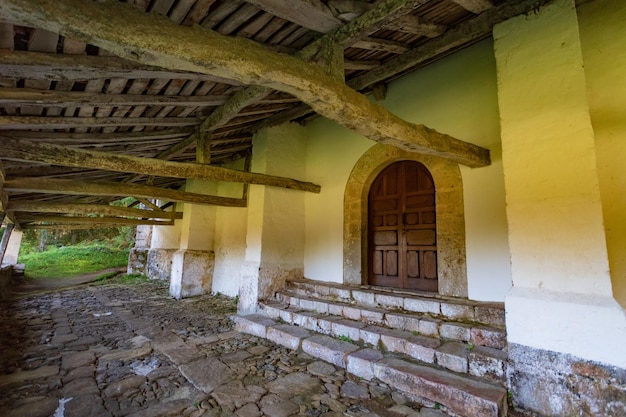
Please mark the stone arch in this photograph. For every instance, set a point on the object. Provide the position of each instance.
(451, 261)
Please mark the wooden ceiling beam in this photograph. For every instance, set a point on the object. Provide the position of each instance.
(471, 31)
(147, 38)
(85, 209)
(115, 189)
(376, 44)
(74, 137)
(311, 14)
(49, 66)
(48, 122)
(28, 221)
(63, 99)
(475, 6)
(81, 158)
(416, 25)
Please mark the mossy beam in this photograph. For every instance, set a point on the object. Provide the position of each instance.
(84, 209)
(115, 189)
(154, 40)
(90, 220)
(72, 157)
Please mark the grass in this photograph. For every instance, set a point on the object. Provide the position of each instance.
(124, 279)
(70, 261)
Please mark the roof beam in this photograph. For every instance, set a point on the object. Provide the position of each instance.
(416, 25)
(146, 38)
(115, 189)
(470, 31)
(69, 138)
(84, 209)
(28, 221)
(48, 66)
(82, 158)
(475, 6)
(311, 14)
(49, 122)
(29, 96)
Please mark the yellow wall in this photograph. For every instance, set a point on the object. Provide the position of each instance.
(456, 95)
(603, 38)
(230, 239)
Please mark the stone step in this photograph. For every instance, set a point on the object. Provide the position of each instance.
(459, 357)
(462, 395)
(474, 333)
(488, 313)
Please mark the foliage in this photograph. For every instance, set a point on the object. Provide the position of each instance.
(72, 260)
(124, 279)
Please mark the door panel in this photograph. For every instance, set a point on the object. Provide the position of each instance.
(402, 228)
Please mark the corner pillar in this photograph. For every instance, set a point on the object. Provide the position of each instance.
(562, 321)
(275, 231)
(13, 247)
(194, 261)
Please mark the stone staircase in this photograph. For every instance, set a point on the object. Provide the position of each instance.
(446, 350)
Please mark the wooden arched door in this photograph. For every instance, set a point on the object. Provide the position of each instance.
(402, 229)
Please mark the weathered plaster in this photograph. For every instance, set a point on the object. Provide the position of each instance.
(603, 40)
(137, 261)
(275, 224)
(555, 384)
(451, 262)
(561, 299)
(192, 273)
(159, 264)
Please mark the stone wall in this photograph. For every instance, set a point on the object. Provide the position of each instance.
(556, 384)
(159, 264)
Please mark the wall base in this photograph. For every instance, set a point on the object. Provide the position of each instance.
(557, 384)
(192, 273)
(159, 264)
(261, 282)
(137, 261)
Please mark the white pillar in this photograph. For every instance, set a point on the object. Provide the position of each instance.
(193, 262)
(12, 251)
(275, 231)
(563, 323)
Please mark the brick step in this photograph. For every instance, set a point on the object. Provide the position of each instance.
(491, 314)
(462, 395)
(425, 324)
(455, 355)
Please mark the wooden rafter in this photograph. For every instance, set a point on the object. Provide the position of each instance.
(30, 220)
(81, 158)
(47, 122)
(311, 14)
(85, 209)
(475, 6)
(52, 66)
(146, 38)
(114, 189)
(466, 33)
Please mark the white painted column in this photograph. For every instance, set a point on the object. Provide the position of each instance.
(165, 240)
(13, 247)
(193, 262)
(561, 299)
(275, 231)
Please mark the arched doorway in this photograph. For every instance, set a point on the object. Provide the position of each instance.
(402, 227)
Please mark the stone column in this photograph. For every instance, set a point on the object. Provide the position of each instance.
(165, 240)
(138, 256)
(193, 262)
(4, 241)
(560, 310)
(275, 231)
(12, 251)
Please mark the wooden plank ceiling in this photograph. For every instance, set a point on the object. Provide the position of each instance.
(81, 127)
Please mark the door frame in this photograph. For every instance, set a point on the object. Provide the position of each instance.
(451, 259)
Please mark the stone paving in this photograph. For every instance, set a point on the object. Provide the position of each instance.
(112, 350)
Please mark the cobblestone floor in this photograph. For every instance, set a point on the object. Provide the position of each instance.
(113, 350)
